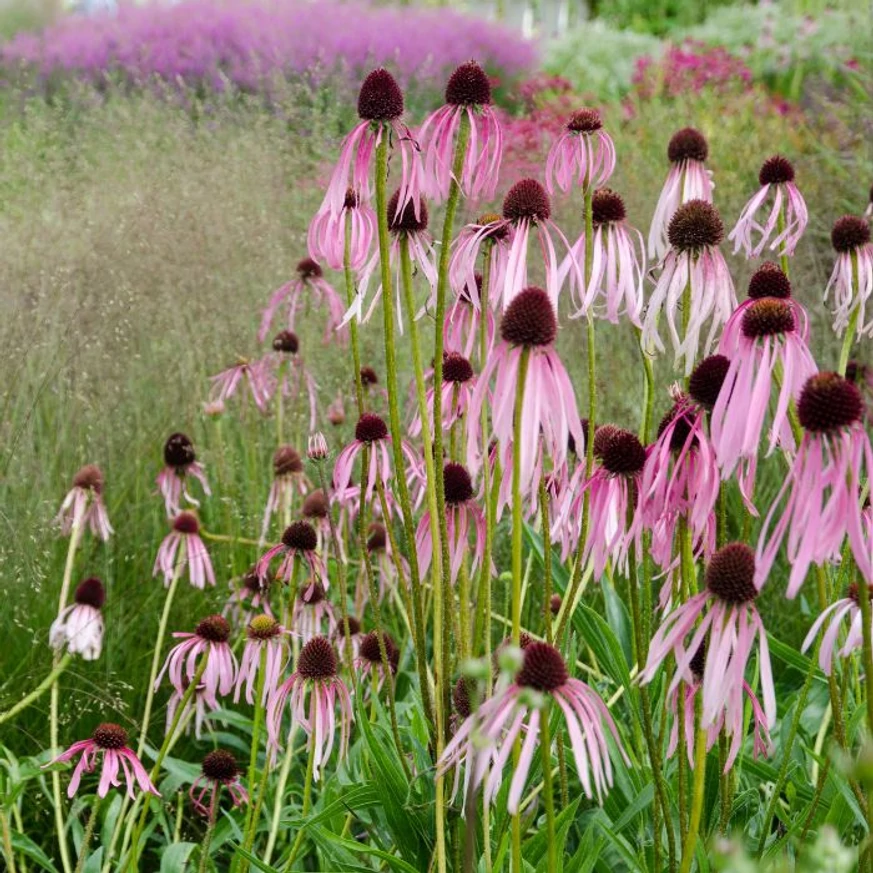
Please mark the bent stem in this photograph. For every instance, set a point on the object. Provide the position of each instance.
(40, 689)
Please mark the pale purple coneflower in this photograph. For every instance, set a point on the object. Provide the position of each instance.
(766, 343)
(315, 676)
(110, 741)
(372, 432)
(514, 712)
(326, 238)
(461, 330)
(351, 642)
(316, 510)
(688, 179)
(463, 517)
(724, 614)
(693, 275)
(852, 276)
(582, 156)
(249, 596)
(209, 641)
(307, 288)
(180, 463)
(776, 177)
(289, 479)
(299, 544)
(182, 547)
(219, 770)
(380, 106)
(548, 415)
(468, 93)
(285, 374)
(457, 388)
(384, 561)
(491, 230)
(252, 374)
(819, 503)
(200, 708)
(263, 635)
(833, 617)
(312, 611)
(79, 627)
(83, 504)
(618, 263)
(369, 660)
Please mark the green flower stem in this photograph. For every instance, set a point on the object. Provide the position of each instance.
(8, 851)
(284, 772)
(648, 393)
(280, 402)
(867, 657)
(548, 793)
(349, 277)
(210, 830)
(88, 835)
(697, 796)
(547, 560)
(849, 338)
(307, 801)
(780, 227)
(40, 689)
(251, 820)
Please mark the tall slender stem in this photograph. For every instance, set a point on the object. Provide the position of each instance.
(284, 772)
(548, 792)
(353, 324)
(210, 829)
(699, 785)
(307, 800)
(547, 560)
(251, 821)
(88, 835)
(849, 338)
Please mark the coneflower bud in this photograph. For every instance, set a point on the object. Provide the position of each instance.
(530, 319)
(607, 207)
(315, 505)
(468, 86)
(317, 660)
(849, 233)
(220, 766)
(90, 478)
(730, 575)
(406, 221)
(186, 523)
(768, 317)
(370, 428)
(214, 629)
(380, 97)
(90, 592)
(527, 200)
(585, 121)
(286, 341)
(695, 225)
(687, 144)
(707, 379)
(456, 368)
(309, 269)
(300, 536)
(179, 451)
(368, 377)
(378, 537)
(457, 484)
(287, 461)
(620, 452)
(543, 668)
(263, 627)
(317, 447)
(775, 171)
(769, 281)
(828, 403)
(369, 649)
(109, 736)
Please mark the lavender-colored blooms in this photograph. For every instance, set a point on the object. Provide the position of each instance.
(245, 42)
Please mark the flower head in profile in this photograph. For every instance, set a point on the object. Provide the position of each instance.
(788, 206)
(249, 596)
(369, 660)
(847, 608)
(694, 285)
(264, 636)
(79, 626)
(219, 770)
(313, 693)
(457, 388)
(108, 744)
(852, 278)
(84, 505)
(299, 544)
(251, 374)
(582, 156)
(329, 232)
(181, 548)
(352, 639)
(491, 235)
(468, 96)
(312, 611)
(688, 179)
(820, 502)
(515, 713)
(180, 465)
(462, 330)
(384, 561)
(289, 479)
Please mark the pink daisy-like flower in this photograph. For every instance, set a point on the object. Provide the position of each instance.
(201, 712)
(457, 388)
(383, 561)
(84, 505)
(209, 641)
(369, 660)
(308, 287)
(736, 730)
(264, 634)
(180, 463)
(315, 676)
(468, 93)
(312, 610)
(548, 414)
(492, 232)
(316, 510)
(79, 626)
(110, 740)
(852, 278)
(765, 340)
(462, 516)
(370, 431)
(285, 374)
(688, 179)
(514, 712)
(288, 479)
(833, 617)
(694, 274)
(462, 325)
(220, 770)
(328, 233)
(352, 641)
(725, 615)
(182, 547)
(819, 504)
(617, 266)
(777, 178)
(244, 372)
(380, 106)
(249, 596)
(582, 156)
(299, 543)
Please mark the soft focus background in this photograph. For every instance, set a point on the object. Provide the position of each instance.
(158, 168)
